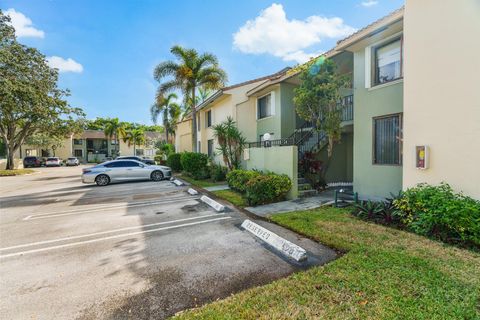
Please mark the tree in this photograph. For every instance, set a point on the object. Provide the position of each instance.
(46, 141)
(165, 106)
(231, 142)
(190, 72)
(316, 100)
(114, 128)
(135, 137)
(30, 101)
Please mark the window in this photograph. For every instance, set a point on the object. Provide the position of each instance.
(78, 141)
(78, 153)
(210, 148)
(208, 119)
(264, 106)
(131, 164)
(388, 62)
(199, 147)
(198, 122)
(139, 152)
(387, 140)
(113, 142)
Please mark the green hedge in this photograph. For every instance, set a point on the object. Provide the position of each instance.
(267, 188)
(174, 162)
(258, 187)
(438, 212)
(237, 179)
(217, 172)
(195, 165)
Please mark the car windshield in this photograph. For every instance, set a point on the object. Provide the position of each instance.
(72, 158)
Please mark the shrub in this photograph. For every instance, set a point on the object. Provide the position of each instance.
(237, 179)
(195, 164)
(158, 158)
(438, 212)
(267, 188)
(174, 162)
(217, 172)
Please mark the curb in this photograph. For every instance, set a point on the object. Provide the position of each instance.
(286, 247)
(212, 203)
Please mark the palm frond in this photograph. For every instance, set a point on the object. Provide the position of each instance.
(166, 68)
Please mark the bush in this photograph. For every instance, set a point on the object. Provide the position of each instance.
(438, 212)
(267, 188)
(174, 162)
(195, 165)
(237, 179)
(217, 172)
(158, 158)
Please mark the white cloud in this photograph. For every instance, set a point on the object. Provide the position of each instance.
(369, 3)
(23, 25)
(68, 65)
(271, 32)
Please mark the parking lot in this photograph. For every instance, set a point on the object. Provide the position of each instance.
(133, 250)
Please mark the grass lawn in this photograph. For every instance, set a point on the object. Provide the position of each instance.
(201, 183)
(384, 274)
(15, 172)
(232, 196)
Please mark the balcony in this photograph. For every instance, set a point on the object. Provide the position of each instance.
(346, 103)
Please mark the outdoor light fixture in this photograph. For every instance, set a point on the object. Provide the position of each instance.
(266, 140)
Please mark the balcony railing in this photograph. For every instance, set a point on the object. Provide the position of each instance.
(346, 103)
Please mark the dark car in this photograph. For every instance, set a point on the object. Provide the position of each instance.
(32, 162)
(144, 160)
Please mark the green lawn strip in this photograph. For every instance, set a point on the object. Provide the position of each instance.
(201, 183)
(16, 172)
(384, 274)
(231, 196)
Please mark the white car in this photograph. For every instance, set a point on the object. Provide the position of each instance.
(72, 161)
(123, 170)
(53, 162)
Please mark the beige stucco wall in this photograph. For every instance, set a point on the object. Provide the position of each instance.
(183, 136)
(282, 160)
(442, 92)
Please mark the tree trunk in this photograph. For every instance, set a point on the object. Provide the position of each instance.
(134, 153)
(194, 123)
(10, 162)
(165, 123)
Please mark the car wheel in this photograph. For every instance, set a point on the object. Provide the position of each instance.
(156, 176)
(102, 180)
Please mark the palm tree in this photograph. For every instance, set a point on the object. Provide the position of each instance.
(164, 105)
(175, 113)
(231, 142)
(190, 72)
(114, 128)
(135, 137)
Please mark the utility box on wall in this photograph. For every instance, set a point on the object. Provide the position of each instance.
(421, 157)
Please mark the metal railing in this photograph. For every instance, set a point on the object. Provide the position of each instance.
(346, 103)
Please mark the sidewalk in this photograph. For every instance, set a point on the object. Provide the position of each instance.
(299, 204)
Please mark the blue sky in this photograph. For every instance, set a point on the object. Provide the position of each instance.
(114, 45)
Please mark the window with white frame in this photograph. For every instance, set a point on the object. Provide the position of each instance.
(388, 61)
(210, 147)
(264, 106)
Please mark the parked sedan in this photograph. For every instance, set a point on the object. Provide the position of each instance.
(124, 170)
(72, 161)
(144, 159)
(53, 162)
(32, 162)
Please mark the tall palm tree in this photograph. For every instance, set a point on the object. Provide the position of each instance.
(175, 113)
(164, 105)
(135, 137)
(190, 72)
(114, 128)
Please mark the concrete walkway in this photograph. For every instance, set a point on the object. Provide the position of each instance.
(292, 205)
(217, 188)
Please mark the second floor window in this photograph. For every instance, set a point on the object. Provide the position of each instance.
(208, 118)
(264, 106)
(388, 62)
(77, 141)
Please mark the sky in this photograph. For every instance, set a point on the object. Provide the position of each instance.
(106, 50)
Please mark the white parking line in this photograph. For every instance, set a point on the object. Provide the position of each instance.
(106, 232)
(105, 208)
(109, 238)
